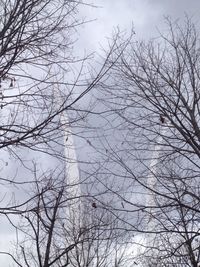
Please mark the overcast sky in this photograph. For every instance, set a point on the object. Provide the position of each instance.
(145, 15)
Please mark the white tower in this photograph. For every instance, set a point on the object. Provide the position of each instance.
(72, 175)
(139, 252)
(151, 242)
(74, 209)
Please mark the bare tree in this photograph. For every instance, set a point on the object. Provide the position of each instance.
(38, 83)
(152, 106)
(49, 236)
(36, 60)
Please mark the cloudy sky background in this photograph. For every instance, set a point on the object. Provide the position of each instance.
(145, 15)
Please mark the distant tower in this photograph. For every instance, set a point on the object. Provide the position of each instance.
(74, 210)
(151, 241)
(71, 171)
(140, 252)
(152, 180)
